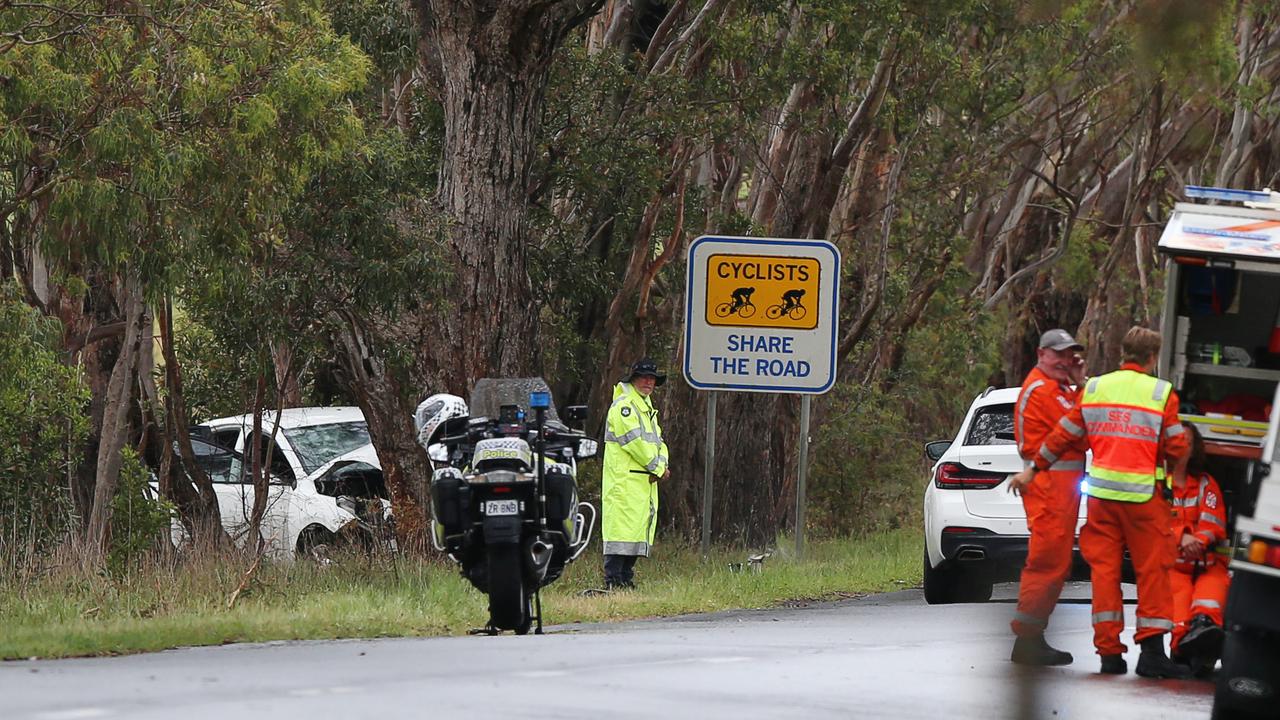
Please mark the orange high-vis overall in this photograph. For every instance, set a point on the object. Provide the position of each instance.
(1199, 585)
(1130, 420)
(1052, 501)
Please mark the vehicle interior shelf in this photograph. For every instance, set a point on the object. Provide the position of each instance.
(1247, 373)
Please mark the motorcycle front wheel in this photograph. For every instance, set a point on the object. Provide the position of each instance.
(508, 603)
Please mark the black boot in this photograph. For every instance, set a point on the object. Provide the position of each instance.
(1203, 642)
(1153, 663)
(1033, 650)
(1114, 665)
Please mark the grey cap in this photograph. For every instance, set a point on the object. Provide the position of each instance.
(1059, 339)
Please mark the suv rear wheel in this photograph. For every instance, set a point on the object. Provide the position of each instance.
(939, 584)
(944, 585)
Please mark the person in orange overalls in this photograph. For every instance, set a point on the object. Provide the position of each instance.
(1199, 576)
(1052, 500)
(1130, 420)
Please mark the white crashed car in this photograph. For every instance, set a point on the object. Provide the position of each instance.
(326, 482)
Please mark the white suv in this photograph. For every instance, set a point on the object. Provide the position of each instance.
(975, 530)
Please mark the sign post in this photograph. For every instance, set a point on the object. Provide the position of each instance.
(706, 476)
(801, 472)
(761, 316)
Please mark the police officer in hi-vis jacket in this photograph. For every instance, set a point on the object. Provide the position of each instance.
(635, 459)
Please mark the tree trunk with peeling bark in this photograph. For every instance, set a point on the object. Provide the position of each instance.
(115, 421)
(381, 395)
(493, 59)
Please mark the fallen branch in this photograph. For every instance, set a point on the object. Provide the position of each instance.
(244, 581)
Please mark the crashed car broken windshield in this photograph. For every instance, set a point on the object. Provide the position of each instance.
(316, 445)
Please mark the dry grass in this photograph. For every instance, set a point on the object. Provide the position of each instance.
(68, 611)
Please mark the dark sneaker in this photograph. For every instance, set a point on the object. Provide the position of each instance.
(1153, 663)
(1203, 639)
(1114, 665)
(1033, 650)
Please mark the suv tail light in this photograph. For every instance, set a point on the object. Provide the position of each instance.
(954, 476)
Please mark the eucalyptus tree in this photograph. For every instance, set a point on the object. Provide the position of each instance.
(144, 145)
(490, 60)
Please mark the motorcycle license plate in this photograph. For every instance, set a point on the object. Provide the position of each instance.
(501, 507)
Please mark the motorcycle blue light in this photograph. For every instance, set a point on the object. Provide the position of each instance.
(539, 400)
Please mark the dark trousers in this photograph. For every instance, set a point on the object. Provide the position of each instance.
(619, 570)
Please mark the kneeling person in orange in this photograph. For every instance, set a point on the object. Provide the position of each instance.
(1199, 577)
(1052, 500)
(1129, 419)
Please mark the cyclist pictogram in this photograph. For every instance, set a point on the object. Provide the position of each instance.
(790, 306)
(735, 281)
(740, 304)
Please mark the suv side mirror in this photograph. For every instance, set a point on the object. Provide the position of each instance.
(575, 413)
(935, 449)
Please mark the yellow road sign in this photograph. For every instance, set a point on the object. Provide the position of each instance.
(763, 291)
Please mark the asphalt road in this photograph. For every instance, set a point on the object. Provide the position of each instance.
(884, 656)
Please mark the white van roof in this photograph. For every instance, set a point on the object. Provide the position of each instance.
(1222, 231)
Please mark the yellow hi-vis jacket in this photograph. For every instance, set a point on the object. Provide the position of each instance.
(633, 451)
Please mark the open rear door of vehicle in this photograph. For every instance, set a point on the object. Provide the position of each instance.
(1222, 318)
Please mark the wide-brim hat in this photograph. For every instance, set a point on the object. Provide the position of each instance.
(646, 367)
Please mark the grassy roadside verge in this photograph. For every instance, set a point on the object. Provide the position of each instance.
(71, 615)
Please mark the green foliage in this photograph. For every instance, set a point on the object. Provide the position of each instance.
(359, 241)
(42, 422)
(1187, 39)
(138, 517)
(385, 31)
(868, 464)
(270, 166)
(866, 471)
(172, 137)
(217, 379)
(1078, 268)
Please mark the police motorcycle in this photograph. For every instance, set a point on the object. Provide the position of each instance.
(504, 500)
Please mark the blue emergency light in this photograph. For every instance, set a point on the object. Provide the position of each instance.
(539, 400)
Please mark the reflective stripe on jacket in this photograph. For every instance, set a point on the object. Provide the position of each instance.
(1198, 510)
(1128, 418)
(1041, 404)
(633, 451)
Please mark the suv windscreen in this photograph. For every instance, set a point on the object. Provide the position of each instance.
(316, 445)
(992, 425)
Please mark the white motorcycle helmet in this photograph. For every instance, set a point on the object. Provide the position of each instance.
(432, 413)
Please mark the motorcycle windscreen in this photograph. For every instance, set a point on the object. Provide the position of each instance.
(490, 394)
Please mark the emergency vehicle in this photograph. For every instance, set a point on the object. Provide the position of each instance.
(1221, 324)
(1248, 683)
